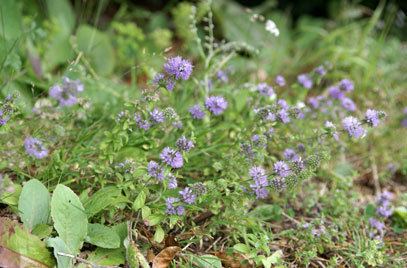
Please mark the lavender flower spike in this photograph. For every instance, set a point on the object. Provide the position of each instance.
(353, 127)
(178, 67)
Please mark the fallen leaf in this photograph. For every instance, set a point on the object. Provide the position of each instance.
(11, 259)
(164, 258)
(234, 261)
(150, 255)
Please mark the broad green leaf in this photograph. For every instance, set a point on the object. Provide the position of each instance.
(42, 230)
(34, 204)
(242, 248)
(110, 257)
(159, 234)
(69, 217)
(60, 247)
(102, 236)
(61, 12)
(140, 201)
(14, 237)
(97, 49)
(103, 198)
(154, 219)
(10, 20)
(121, 231)
(11, 196)
(206, 261)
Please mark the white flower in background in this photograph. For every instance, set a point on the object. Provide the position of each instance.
(272, 28)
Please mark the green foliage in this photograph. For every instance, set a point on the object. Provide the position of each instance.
(69, 218)
(34, 204)
(97, 48)
(102, 236)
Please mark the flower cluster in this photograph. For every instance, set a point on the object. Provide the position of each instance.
(216, 104)
(265, 90)
(127, 166)
(260, 182)
(305, 81)
(176, 68)
(67, 92)
(155, 116)
(35, 148)
(6, 110)
(383, 212)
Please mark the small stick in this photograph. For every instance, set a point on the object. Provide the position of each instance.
(375, 175)
(81, 260)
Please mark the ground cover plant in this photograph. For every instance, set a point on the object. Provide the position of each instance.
(201, 135)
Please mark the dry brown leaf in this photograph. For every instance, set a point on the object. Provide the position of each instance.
(150, 255)
(163, 259)
(11, 259)
(234, 261)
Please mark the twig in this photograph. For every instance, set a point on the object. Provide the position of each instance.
(83, 260)
(375, 175)
(290, 218)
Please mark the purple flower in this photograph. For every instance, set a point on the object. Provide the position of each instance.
(171, 209)
(143, 124)
(258, 174)
(155, 170)
(346, 85)
(184, 144)
(157, 116)
(196, 112)
(384, 211)
(187, 195)
(314, 102)
(159, 79)
(372, 117)
(348, 104)
(353, 127)
(282, 169)
(305, 81)
(178, 67)
(3, 118)
(290, 154)
(320, 70)
(283, 104)
(222, 76)
(280, 80)
(216, 104)
(335, 92)
(35, 148)
(283, 116)
(172, 157)
(172, 181)
(66, 94)
(265, 90)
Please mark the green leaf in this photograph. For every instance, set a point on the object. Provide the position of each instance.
(17, 239)
(267, 212)
(206, 261)
(103, 198)
(145, 212)
(108, 257)
(159, 234)
(97, 49)
(61, 12)
(69, 217)
(273, 259)
(42, 230)
(60, 247)
(102, 236)
(242, 248)
(10, 20)
(140, 201)
(154, 219)
(34, 204)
